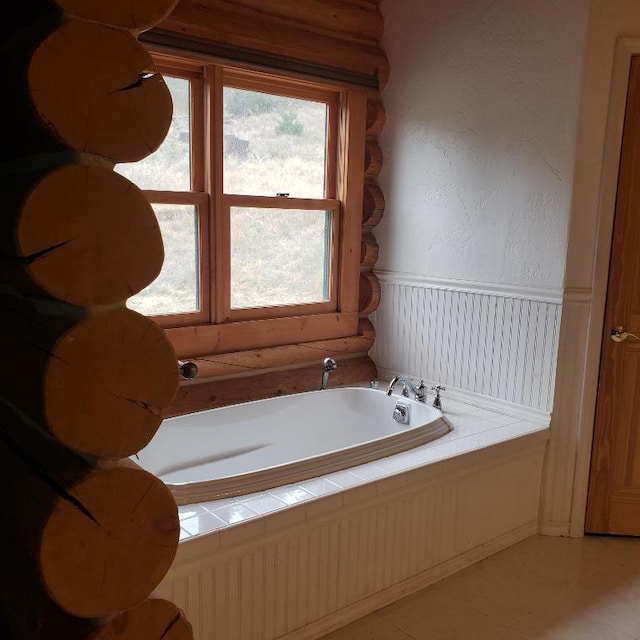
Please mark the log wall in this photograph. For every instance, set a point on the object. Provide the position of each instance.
(338, 40)
(87, 535)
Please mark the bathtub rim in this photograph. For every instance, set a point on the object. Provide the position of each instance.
(336, 460)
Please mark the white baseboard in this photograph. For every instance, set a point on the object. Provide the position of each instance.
(562, 529)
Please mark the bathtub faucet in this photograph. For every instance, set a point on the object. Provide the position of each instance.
(328, 365)
(408, 386)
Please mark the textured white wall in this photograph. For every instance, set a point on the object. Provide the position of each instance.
(479, 140)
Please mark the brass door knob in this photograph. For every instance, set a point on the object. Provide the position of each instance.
(618, 334)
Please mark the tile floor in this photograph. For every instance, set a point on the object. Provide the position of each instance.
(545, 588)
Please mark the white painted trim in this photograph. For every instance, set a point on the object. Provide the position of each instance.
(537, 294)
(556, 529)
(577, 295)
(625, 48)
(411, 585)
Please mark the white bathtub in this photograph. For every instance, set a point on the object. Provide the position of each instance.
(258, 445)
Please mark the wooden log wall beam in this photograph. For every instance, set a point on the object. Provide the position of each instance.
(227, 391)
(251, 362)
(276, 363)
(275, 32)
(353, 21)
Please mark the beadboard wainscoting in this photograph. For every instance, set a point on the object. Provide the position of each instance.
(485, 341)
(313, 567)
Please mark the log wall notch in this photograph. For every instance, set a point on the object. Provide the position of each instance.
(88, 535)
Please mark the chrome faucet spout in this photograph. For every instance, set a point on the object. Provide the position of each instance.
(408, 385)
(328, 365)
(392, 384)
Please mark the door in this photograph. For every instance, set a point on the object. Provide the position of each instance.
(613, 503)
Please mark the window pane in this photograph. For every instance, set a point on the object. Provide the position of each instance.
(274, 144)
(168, 168)
(279, 256)
(177, 288)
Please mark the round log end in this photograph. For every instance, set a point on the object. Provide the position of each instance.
(94, 87)
(107, 384)
(372, 159)
(369, 298)
(373, 204)
(96, 237)
(138, 15)
(366, 328)
(108, 542)
(368, 252)
(154, 619)
(376, 116)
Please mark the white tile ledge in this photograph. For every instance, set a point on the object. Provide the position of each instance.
(233, 520)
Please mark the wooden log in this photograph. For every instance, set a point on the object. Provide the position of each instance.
(81, 234)
(376, 117)
(239, 26)
(366, 329)
(359, 21)
(252, 361)
(219, 393)
(383, 74)
(81, 87)
(372, 159)
(153, 619)
(114, 556)
(369, 299)
(136, 15)
(101, 539)
(372, 205)
(98, 384)
(368, 252)
(26, 610)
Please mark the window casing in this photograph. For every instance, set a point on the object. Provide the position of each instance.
(223, 321)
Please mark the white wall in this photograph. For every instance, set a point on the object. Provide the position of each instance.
(478, 147)
(479, 139)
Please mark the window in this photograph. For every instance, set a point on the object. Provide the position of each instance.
(256, 191)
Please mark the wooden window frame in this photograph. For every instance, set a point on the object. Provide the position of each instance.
(217, 328)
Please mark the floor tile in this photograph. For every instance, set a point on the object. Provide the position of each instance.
(544, 588)
(373, 627)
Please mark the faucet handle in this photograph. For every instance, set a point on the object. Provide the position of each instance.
(329, 364)
(437, 402)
